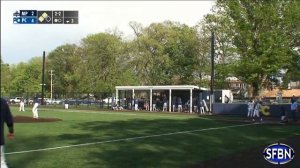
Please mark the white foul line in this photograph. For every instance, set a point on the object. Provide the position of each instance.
(127, 139)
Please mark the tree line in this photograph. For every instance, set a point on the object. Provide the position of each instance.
(255, 42)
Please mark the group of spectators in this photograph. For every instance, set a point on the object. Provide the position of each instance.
(161, 104)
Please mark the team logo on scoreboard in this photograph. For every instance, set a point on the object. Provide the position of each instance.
(25, 17)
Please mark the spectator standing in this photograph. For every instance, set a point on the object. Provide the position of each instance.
(293, 99)
(174, 103)
(179, 101)
(195, 107)
(154, 105)
(147, 107)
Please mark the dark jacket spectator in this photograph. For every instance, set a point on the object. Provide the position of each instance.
(7, 118)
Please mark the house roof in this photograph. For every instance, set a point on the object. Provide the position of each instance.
(165, 87)
(285, 93)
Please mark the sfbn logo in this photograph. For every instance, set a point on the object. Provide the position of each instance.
(279, 153)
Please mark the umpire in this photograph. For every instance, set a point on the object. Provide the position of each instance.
(8, 119)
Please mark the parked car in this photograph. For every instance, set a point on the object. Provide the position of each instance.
(15, 100)
(56, 101)
(48, 100)
(109, 100)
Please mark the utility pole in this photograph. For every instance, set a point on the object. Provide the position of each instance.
(51, 74)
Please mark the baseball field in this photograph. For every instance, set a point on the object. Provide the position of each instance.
(114, 139)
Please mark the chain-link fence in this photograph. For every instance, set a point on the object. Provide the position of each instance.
(103, 100)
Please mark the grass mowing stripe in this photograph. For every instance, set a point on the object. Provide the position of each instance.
(127, 139)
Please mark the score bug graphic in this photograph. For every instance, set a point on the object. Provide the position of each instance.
(45, 17)
(279, 153)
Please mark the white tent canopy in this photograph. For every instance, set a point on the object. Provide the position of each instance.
(165, 87)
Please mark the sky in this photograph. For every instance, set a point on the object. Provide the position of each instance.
(20, 42)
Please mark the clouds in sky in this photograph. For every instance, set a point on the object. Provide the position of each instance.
(22, 42)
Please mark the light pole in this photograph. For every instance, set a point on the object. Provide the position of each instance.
(51, 85)
(211, 99)
(43, 78)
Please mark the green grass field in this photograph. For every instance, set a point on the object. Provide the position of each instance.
(95, 139)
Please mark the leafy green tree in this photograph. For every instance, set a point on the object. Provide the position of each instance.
(17, 78)
(147, 57)
(262, 42)
(26, 77)
(102, 63)
(33, 75)
(65, 62)
(184, 52)
(165, 53)
(292, 26)
(5, 78)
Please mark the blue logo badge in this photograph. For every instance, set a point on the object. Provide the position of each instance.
(279, 153)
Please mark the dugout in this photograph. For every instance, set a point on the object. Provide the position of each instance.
(152, 93)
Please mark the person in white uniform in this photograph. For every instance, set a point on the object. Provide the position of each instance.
(250, 108)
(22, 105)
(35, 108)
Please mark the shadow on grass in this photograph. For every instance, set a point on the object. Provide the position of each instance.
(176, 150)
(27, 159)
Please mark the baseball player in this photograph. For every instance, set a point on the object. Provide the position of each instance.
(7, 118)
(136, 104)
(201, 107)
(66, 103)
(35, 108)
(179, 101)
(22, 104)
(256, 109)
(174, 103)
(165, 105)
(154, 105)
(250, 108)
